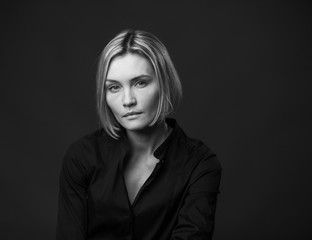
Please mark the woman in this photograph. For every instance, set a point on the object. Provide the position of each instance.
(139, 177)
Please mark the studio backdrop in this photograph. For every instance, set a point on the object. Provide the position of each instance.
(246, 73)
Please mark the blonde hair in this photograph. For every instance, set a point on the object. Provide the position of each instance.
(147, 45)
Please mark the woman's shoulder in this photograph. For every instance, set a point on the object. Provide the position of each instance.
(187, 144)
(88, 144)
(200, 152)
(84, 151)
(205, 153)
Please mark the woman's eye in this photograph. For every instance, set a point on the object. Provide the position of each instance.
(141, 84)
(113, 88)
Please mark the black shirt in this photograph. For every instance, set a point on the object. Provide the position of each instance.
(177, 201)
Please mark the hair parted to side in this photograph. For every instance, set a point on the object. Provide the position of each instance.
(150, 47)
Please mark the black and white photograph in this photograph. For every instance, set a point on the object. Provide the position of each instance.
(156, 120)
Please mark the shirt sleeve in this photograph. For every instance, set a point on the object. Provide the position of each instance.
(72, 207)
(197, 214)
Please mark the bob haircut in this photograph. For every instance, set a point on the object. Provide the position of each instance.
(146, 45)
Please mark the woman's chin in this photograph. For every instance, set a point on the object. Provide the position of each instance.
(136, 125)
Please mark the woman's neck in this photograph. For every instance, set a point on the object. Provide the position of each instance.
(145, 142)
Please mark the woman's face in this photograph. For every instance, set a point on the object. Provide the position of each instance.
(132, 91)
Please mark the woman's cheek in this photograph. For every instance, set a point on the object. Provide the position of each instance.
(111, 104)
(153, 100)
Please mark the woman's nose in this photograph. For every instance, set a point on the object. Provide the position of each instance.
(128, 99)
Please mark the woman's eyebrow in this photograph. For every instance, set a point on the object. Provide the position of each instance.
(111, 80)
(143, 76)
(133, 79)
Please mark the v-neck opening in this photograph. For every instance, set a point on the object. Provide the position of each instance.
(144, 185)
(158, 154)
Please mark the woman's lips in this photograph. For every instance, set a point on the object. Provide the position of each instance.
(128, 114)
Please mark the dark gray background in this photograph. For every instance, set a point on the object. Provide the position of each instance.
(246, 72)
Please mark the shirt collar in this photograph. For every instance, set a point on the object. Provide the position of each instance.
(161, 150)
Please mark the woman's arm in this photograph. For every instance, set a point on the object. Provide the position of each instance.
(71, 221)
(197, 214)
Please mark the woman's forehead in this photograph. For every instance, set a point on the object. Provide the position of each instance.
(129, 66)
